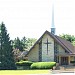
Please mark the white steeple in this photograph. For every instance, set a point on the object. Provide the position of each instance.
(53, 26)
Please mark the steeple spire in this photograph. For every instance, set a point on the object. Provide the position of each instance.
(53, 26)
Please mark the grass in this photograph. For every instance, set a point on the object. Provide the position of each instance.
(23, 72)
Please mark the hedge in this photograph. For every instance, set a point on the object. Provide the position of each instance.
(43, 65)
(24, 63)
(72, 62)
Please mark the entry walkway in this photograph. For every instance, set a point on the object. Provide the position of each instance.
(54, 74)
(64, 69)
(67, 67)
(61, 71)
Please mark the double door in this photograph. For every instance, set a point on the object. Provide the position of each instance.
(64, 60)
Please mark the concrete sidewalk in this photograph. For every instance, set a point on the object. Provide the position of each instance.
(62, 71)
(54, 74)
(57, 72)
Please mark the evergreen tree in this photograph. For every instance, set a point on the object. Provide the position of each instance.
(6, 55)
(18, 44)
(24, 42)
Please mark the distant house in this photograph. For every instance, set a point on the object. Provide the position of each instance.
(50, 47)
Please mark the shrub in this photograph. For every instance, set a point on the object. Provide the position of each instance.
(24, 63)
(43, 65)
(72, 61)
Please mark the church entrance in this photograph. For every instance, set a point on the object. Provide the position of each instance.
(64, 60)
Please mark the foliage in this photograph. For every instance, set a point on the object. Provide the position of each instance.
(24, 63)
(30, 42)
(23, 44)
(43, 65)
(6, 55)
(16, 53)
(18, 44)
(72, 62)
(70, 38)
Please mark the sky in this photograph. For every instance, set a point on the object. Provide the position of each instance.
(31, 18)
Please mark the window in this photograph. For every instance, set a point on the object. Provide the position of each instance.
(40, 51)
(56, 59)
(56, 48)
(66, 51)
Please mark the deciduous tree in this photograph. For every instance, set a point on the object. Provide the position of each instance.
(70, 38)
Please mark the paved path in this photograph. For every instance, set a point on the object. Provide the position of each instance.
(57, 72)
(62, 71)
(54, 74)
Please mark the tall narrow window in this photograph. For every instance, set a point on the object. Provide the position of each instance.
(56, 59)
(40, 51)
(56, 48)
(56, 51)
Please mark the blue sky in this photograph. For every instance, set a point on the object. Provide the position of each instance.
(31, 18)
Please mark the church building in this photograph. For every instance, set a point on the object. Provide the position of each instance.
(50, 47)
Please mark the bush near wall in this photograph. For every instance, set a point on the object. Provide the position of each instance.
(43, 65)
(23, 64)
(72, 62)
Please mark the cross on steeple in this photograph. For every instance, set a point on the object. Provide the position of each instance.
(47, 44)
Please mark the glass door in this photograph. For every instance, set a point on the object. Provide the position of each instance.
(64, 60)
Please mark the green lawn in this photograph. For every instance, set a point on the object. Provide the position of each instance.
(23, 72)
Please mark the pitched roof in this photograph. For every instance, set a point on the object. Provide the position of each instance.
(23, 53)
(67, 44)
(64, 43)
